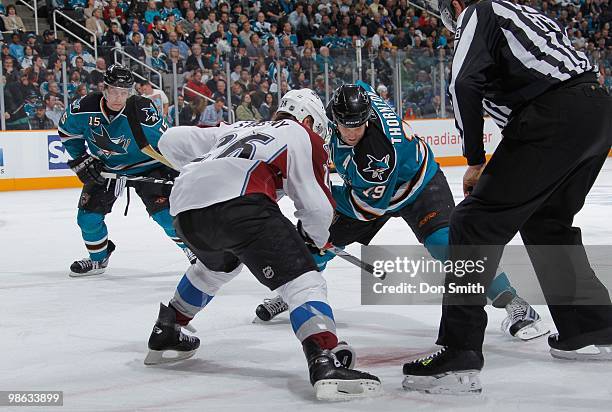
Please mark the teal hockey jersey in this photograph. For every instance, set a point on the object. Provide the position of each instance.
(385, 171)
(85, 126)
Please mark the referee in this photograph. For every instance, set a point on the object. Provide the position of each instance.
(519, 66)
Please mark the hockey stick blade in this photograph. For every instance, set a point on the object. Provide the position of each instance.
(355, 261)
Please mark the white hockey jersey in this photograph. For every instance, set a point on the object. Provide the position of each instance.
(222, 163)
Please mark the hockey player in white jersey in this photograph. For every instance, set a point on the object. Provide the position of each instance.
(224, 203)
(363, 130)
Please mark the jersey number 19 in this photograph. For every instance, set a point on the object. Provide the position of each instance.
(375, 192)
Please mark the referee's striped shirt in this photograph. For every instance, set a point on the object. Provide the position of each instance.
(505, 56)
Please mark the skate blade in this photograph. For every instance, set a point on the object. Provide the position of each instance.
(535, 330)
(588, 353)
(277, 320)
(341, 390)
(453, 383)
(90, 273)
(156, 357)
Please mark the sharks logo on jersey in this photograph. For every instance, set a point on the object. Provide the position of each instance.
(76, 105)
(151, 113)
(108, 145)
(377, 167)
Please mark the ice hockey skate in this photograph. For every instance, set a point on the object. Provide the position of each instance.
(270, 308)
(447, 371)
(523, 322)
(334, 382)
(88, 267)
(167, 342)
(594, 346)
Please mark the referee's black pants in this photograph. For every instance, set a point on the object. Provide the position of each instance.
(535, 182)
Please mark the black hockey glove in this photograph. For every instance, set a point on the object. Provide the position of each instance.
(87, 169)
(320, 256)
(310, 244)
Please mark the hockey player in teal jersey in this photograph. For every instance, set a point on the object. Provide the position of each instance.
(105, 132)
(386, 174)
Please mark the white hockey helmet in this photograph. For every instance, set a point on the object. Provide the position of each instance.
(302, 103)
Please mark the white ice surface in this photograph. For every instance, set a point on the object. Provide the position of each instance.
(88, 336)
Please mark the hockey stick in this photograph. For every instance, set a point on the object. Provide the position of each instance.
(355, 261)
(139, 136)
(154, 154)
(146, 179)
(334, 249)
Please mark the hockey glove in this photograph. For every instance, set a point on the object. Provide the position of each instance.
(87, 169)
(470, 178)
(320, 256)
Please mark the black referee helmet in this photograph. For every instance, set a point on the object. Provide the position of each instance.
(447, 12)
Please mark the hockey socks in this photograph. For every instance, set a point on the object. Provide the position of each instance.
(188, 300)
(95, 234)
(197, 288)
(315, 320)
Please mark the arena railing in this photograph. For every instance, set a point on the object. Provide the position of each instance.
(65, 83)
(417, 79)
(2, 109)
(430, 6)
(34, 8)
(123, 53)
(93, 46)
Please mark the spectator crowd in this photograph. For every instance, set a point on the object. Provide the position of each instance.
(270, 45)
